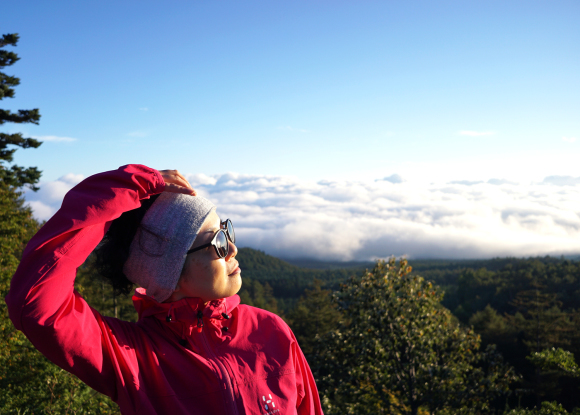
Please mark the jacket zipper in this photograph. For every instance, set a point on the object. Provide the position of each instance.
(225, 375)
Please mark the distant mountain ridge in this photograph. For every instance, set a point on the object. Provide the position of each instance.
(290, 277)
(254, 260)
(288, 280)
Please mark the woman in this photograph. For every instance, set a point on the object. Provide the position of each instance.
(194, 349)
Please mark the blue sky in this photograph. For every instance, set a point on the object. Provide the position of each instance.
(434, 91)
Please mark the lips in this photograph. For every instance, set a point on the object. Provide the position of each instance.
(235, 270)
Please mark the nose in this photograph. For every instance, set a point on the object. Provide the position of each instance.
(232, 251)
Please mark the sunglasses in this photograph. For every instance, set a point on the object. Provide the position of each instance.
(220, 240)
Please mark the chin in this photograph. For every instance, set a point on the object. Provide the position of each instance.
(236, 285)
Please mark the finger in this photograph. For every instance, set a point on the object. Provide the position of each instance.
(174, 188)
(181, 179)
(175, 177)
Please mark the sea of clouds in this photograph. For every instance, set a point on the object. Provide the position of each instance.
(353, 220)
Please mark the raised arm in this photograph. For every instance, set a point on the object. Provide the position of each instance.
(42, 302)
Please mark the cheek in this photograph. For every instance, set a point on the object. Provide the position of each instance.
(202, 272)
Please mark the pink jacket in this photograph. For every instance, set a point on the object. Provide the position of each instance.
(179, 358)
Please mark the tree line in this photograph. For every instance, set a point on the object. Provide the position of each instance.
(479, 337)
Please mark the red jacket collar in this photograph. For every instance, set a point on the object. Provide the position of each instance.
(184, 309)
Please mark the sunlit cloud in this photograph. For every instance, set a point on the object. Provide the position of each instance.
(346, 220)
(562, 180)
(46, 201)
(393, 178)
(499, 182)
(466, 182)
(476, 133)
(144, 109)
(569, 139)
(54, 138)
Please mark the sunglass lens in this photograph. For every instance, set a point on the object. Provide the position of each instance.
(221, 244)
(230, 229)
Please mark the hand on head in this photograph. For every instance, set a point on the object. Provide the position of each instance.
(176, 183)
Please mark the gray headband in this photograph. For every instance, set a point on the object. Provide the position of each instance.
(158, 250)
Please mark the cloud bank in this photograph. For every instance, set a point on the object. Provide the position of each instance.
(341, 220)
(46, 201)
(562, 180)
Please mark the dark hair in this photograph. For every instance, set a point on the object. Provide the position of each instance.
(113, 250)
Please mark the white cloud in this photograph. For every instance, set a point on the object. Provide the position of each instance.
(569, 139)
(346, 220)
(54, 138)
(46, 201)
(200, 179)
(562, 180)
(499, 182)
(466, 182)
(393, 178)
(144, 109)
(476, 133)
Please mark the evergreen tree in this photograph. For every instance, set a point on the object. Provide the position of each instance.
(540, 324)
(29, 383)
(100, 294)
(547, 408)
(15, 176)
(402, 352)
(540, 320)
(553, 359)
(258, 295)
(315, 315)
(492, 327)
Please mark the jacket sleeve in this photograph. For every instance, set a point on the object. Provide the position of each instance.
(42, 302)
(309, 400)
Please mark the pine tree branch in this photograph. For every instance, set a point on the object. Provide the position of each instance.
(15, 139)
(7, 83)
(23, 116)
(7, 58)
(9, 39)
(18, 176)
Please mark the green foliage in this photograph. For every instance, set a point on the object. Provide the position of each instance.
(398, 350)
(547, 408)
(540, 319)
(15, 176)
(258, 295)
(8, 58)
(100, 294)
(257, 261)
(555, 360)
(29, 383)
(314, 315)
(496, 282)
(539, 323)
(288, 282)
(493, 327)
(523, 306)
